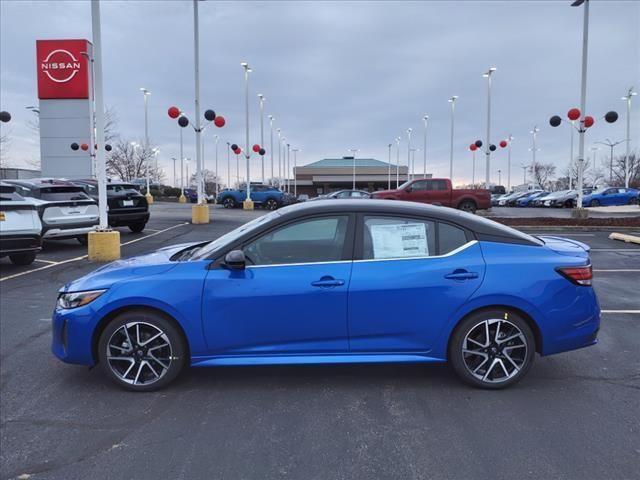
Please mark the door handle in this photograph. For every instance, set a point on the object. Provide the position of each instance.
(327, 282)
(461, 274)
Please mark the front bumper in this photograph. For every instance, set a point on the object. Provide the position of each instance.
(10, 244)
(72, 332)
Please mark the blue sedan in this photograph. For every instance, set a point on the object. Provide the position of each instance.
(348, 281)
(611, 196)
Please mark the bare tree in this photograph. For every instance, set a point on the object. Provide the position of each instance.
(5, 142)
(590, 174)
(542, 173)
(210, 181)
(129, 163)
(619, 170)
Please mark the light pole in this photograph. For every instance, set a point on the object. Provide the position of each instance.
(174, 171)
(271, 145)
(509, 164)
(452, 101)
(534, 135)
(295, 164)
(279, 131)
(611, 145)
(499, 177)
(583, 94)
(487, 75)
(288, 170)
(217, 177)
(524, 174)
(247, 204)
(228, 165)
(188, 179)
(627, 98)
(398, 161)
(409, 131)
(424, 155)
(202, 209)
(473, 167)
(353, 154)
(413, 162)
(182, 199)
(262, 99)
(389, 168)
(146, 94)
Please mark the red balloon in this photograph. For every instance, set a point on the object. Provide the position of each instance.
(84, 147)
(473, 147)
(588, 121)
(503, 143)
(573, 114)
(219, 121)
(174, 112)
(237, 151)
(256, 148)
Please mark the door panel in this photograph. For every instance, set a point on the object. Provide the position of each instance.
(401, 305)
(277, 309)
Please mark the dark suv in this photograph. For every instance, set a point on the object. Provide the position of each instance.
(127, 206)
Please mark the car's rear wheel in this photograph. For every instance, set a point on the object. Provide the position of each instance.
(492, 349)
(141, 350)
(228, 203)
(467, 206)
(568, 204)
(594, 203)
(632, 201)
(137, 227)
(22, 258)
(271, 204)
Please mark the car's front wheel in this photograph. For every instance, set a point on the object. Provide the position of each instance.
(492, 349)
(228, 203)
(594, 203)
(26, 258)
(271, 204)
(141, 350)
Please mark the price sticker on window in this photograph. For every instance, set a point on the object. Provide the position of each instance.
(401, 240)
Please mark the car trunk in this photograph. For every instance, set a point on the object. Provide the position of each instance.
(565, 246)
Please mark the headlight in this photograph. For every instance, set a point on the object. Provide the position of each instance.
(77, 299)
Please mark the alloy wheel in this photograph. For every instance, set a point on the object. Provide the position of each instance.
(494, 350)
(139, 353)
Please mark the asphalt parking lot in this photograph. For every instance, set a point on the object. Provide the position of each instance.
(576, 415)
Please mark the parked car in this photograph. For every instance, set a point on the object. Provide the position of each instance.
(375, 281)
(567, 198)
(344, 194)
(303, 197)
(511, 199)
(609, 196)
(192, 196)
(20, 227)
(525, 201)
(65, 210)
(495, 198)
(266, 196)
(127, 206)
(438, 191)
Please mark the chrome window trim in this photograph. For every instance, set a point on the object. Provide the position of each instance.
(451, 253)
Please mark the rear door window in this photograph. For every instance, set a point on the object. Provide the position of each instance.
(450, 238)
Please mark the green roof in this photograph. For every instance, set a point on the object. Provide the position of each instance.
(346, 162)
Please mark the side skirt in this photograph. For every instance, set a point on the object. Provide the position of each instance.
(219, 361)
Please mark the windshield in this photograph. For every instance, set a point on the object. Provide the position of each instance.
(207, 250)
(404, 185)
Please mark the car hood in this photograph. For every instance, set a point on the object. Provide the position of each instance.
(152, 263)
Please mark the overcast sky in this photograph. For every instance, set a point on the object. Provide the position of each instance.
(341, 75)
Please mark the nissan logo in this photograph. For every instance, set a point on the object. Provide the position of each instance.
(63, 68)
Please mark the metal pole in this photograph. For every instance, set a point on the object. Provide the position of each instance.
(238, 169)
(217, 177)
(271, 147)
(534, 134)
(247, 153)
(426, 121)
(174, 171)
(473, 174)
(389, 169)
(228, 165)
(499, 177)
(279, 158)
(295, 164)
(261, 97)
(181, 165)
(99, 113)
(583, 99)
(452, 100)
(288, 164)
(524, 174)
(409, 130)
(573, 128)
(630, 94)
(146, 135)
(509, 164)
(487, 149)
(397, 162)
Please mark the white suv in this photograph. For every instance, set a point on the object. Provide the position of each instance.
(19, 227)
(65, 210)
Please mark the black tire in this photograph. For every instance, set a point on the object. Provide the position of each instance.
(632, 201)
(468, 206)
(568, 204)
(26, 258)
(501, 323)
(594, 203)
(83, 240)
(137, 227)
(229, 203)
(271, 204)
(140, 377)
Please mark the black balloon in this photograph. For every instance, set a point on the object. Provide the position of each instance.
(5, 116)
(183, 121)
(107, 147)
(555, 121)
(75, 146)
(262, 151)
(234, 147)
(492, 147)
(210, 115)
(611, 116)
(478, 143)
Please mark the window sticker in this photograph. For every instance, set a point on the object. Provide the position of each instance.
(400, 240)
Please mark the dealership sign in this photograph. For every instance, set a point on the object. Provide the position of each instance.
(63, 70)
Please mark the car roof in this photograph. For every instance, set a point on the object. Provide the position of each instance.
(481, 226)
(42, 183)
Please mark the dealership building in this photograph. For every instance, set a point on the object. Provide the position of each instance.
(331, 174)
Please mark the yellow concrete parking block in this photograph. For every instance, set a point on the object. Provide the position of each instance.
(625, 237)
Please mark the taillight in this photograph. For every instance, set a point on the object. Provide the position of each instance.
(577, 275)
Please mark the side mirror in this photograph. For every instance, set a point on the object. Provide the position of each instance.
(234, 260)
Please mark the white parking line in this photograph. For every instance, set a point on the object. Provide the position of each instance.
(617, 270)
(70, 260)
(619, 311)
(42, 260)
(615, 249)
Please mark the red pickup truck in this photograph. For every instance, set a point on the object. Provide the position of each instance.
(438, 191)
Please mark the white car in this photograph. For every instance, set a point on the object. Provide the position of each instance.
(20, 227)
(65, 210)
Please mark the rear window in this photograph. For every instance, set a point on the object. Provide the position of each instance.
(8, 194)
(63, 194)
(118, 189)
(450, 238)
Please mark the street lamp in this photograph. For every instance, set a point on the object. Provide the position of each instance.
(452, 101)
(217, 177)
(146, 94)
(247, 204)
(627, 98)
(389, 169)
(295, 164)
(426, 122)
(288, 159)
(473, 168)
(487, 75)
(271, 118)
(534, 149)
(228, 165)
(398, 161)
(279, 131)
(262, 99)
(499, 177)
(174, 170)
(524, 173)
(611, 145)
(510, 139)
(413, 162)
(353, 153)
(409, 130)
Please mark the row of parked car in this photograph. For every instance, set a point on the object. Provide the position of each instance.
(53, 209)
(606, 196)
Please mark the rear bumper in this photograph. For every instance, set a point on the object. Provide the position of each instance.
(123, 219)
(67, 231)
(10, 244)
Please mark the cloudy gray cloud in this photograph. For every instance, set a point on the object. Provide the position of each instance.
(343, 74)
